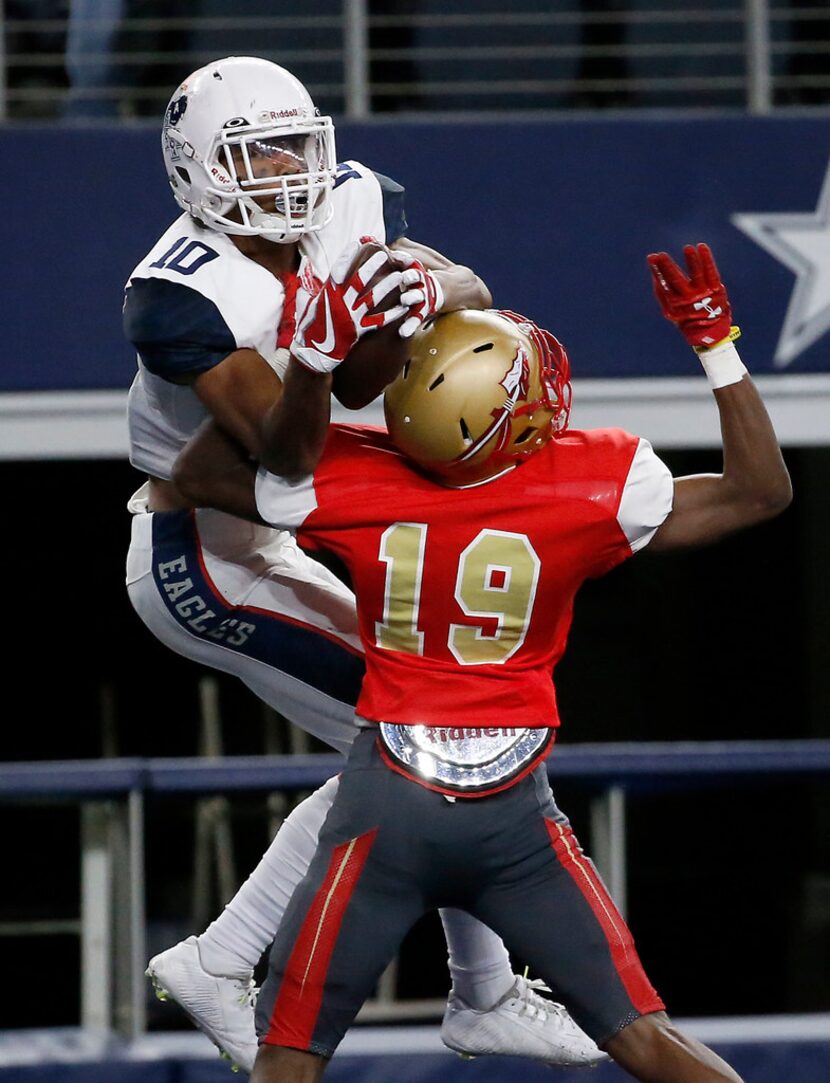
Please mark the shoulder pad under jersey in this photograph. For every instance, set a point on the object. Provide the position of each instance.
(373, 204)
(195, 298)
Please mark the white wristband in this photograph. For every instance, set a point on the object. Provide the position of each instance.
(722, 365)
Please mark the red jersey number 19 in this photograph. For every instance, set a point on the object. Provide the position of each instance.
(496, 582)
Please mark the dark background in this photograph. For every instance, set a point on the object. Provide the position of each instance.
(728, 887)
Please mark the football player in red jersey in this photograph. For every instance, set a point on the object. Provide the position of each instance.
(465, 592)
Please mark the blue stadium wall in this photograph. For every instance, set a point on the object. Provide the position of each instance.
(557, 216)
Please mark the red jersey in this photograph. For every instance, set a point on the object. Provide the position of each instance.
(465, 596)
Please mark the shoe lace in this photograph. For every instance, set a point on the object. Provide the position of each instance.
(532, 1004)
(247, 991)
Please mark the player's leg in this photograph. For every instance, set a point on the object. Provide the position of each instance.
(300, 657)
(211, 976)
(242, 568)
(654, 1050)
(246, 927)
(274, 584)
(288, 1065)
(552, 909)
(345, 922)
(247, 601)
(491, 1010)
(478, 962)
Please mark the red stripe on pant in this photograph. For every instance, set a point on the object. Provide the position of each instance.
(623, 953)
(301, 991)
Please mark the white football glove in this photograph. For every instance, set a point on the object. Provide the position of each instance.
(422, 295)
(344, 310)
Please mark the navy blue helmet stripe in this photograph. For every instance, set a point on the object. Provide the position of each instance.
(193, 602)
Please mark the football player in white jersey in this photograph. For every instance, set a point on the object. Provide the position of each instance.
(268, 218)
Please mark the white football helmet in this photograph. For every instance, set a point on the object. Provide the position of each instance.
(247, 153)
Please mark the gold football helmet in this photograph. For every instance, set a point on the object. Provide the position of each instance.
(480, 392)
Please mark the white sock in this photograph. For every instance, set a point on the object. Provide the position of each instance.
(233, 944)
(479, 964)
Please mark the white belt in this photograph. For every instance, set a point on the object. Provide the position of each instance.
(464, 759)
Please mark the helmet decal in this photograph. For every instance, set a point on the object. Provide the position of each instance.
(515, 382)
(282, 114)
(176, 110)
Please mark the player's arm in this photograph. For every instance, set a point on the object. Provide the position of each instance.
(248, 401)
(183, 337)
(216, 469)
(431, 284)
(283, 426)
(298, 423)
(461, 287)
(242, 394)
(213, 470)
(755, 484)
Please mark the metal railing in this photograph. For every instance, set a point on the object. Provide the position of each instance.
(361, 58)
(112, 795)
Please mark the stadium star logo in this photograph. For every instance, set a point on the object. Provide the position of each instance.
(802, 243)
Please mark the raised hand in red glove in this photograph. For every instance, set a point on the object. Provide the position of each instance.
(695, 301)
(347, 306)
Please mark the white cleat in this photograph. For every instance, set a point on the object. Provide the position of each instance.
(521, 1024)
(221, 1007)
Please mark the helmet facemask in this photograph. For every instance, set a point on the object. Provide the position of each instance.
(482, 392)
(247, 153)
(282, 207)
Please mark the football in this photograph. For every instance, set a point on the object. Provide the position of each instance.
(374, 361)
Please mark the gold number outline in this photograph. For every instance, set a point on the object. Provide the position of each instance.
(402, 549)
(494, 650)
(402, 592)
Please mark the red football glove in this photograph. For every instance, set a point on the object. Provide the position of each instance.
(344, 309)
(697, 303)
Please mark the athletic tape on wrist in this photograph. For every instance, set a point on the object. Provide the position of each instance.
(722, 363)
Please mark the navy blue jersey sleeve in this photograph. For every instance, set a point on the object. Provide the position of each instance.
(176, 330)
(394, 212)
